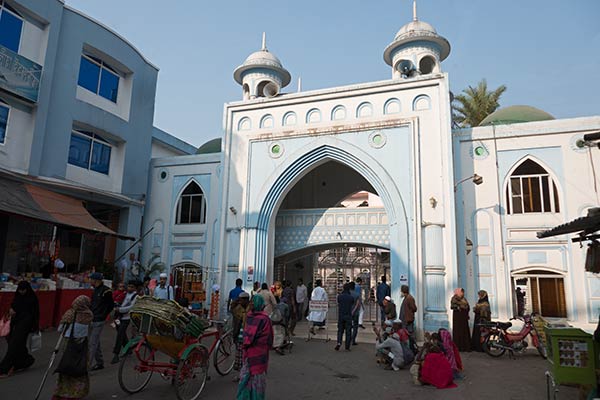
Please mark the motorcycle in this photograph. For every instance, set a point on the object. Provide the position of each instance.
(497, 340)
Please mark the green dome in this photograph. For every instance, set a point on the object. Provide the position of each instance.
(515, 114)
(212, 146)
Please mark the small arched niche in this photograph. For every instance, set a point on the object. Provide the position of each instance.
(289, 119)
(245, 124)
(338, 113)
(392, 106)
(313, 116)
(364, 110)
(421, 103)
(266, 121)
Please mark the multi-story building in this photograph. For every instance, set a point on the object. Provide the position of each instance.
(76, 136)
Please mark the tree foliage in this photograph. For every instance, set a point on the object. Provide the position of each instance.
(475, 103)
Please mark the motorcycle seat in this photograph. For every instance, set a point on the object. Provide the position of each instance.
(504, 325)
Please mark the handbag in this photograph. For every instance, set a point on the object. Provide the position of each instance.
(34, 341)
(4, 326)
(74, 359)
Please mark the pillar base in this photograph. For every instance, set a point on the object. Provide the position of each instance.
(432, 321)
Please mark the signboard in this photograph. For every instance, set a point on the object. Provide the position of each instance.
(318, 305)
(19, 75)
(403, 279)
(250, 276)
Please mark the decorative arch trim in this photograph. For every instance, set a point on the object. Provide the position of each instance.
(389, 197)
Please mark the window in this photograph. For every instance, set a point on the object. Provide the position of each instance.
(99, 78)
(3, 121)
(191, 208)
(11, 25)
(89, 151)
(531, 190)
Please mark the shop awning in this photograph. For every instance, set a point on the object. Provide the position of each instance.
(584, 225)
(39, 203)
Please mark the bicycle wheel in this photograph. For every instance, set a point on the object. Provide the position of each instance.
(134, 374)
(191, 374)
(490, 345)
(224, 355)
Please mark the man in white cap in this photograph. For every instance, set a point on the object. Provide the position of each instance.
(389, 308)
(163, 290)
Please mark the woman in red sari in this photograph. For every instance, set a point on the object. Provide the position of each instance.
(258, 339)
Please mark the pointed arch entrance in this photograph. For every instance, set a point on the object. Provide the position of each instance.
(260, 247)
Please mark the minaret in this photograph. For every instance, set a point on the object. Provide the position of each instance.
(262, 74)
(416, 50)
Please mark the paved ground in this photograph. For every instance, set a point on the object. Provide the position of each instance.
(315, 371)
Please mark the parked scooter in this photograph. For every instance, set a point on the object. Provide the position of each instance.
(496, 339)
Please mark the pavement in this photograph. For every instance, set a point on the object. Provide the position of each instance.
(314, 370)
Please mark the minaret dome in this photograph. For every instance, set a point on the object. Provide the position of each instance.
(262, 74)
(417, 49)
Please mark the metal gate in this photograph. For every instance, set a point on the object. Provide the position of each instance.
(338, 266)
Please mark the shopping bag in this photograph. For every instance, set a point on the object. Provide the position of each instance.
(74, 360)
(4, 326)
(34, 341)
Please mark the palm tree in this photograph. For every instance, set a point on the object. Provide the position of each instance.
(474, 104)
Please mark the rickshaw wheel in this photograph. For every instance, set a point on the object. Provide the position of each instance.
(224, 355)
(192, 373)
(131, 379)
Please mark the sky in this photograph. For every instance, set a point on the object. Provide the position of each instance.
(547, 52)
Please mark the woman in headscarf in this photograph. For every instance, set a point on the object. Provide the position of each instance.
(482, 314)
(25, 317)
(451, 352)
(75, 323)
(270, 302)
(258, 339)
(460, 320)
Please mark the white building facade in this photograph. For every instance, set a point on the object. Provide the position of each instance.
(537, 175)
(270, 192)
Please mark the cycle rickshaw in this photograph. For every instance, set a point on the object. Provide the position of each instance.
(167, 328)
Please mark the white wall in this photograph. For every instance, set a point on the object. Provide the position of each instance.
(513, 242)
(16, 151)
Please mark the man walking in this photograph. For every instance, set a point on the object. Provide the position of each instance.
(355, 310)
(361, 310)
(235, 293)
(383, 290)
(288, 297)
(124, 310)
(318, 318)
(301, 297)
(408, 308)
(102, 305)
(345, 305)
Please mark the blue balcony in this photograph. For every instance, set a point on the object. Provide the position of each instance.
(19, 75)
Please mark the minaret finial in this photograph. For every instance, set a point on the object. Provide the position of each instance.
(299, 84)
(415, 10)
(264, 42)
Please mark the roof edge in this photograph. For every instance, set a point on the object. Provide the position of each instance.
(118, 35)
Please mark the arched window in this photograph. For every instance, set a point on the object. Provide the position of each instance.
(531, 190)
(191, 208)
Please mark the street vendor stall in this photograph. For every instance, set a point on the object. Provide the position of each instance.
(188, 281)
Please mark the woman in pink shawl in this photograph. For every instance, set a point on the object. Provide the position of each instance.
(451, 352)
(258, 339)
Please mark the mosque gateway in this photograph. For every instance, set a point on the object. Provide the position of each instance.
(359, 181)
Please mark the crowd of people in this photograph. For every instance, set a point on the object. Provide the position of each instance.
(263, 320)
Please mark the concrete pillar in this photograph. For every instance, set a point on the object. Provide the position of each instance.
(435, 315)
